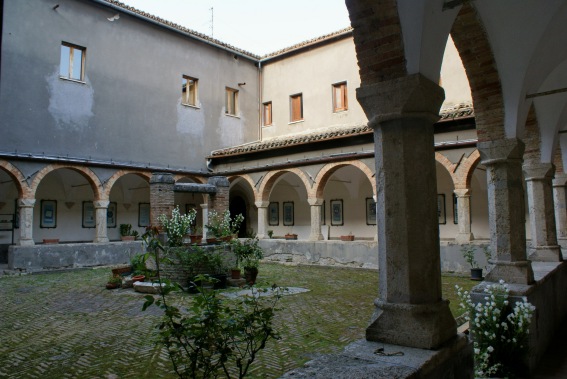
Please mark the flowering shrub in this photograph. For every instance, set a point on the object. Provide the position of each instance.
(499, 330)
(177, 226)
(223, 225)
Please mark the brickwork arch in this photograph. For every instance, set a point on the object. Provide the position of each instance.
(484, 80)
(24, 191)
(461, 172)
(269, 180)
(91, 177)
(117, 175)
(245, 178)
(329, 169)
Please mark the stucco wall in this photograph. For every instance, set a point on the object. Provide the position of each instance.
(129, 106)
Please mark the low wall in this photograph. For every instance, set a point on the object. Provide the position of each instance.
(361, 254)
(72, 255)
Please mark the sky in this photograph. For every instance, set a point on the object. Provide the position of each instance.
(257, 26)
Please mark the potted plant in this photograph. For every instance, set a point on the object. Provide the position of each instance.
(248, 255)
(177, 226)
(197, 235)
(468, 252)
(270, 234)
(291, 236)
(348, 237)
(223, 226)
(114, 282)
(126, 232)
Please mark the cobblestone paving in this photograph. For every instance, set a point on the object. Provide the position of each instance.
(67, 325)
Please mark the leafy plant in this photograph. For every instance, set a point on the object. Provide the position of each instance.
(126, 230)
(248, 253)
(177, 226)
(222, 225)
(214, 334)
(499, 329)
(468, 252)
(138, 263)
(114, 279)
(270, 233)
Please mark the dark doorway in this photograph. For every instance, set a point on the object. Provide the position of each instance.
(238, 206)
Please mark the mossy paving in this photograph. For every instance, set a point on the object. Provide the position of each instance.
(67, 325)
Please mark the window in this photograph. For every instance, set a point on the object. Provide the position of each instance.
(231, 102)
(72, 62)
(296, 107)
(268, 113)
(189, 90)
(340, 101)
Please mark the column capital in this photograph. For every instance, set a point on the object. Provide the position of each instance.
(315, 201)
(261, 204)
(26, 203)
(538, 171)
(499, 151)
(462, 192)
(101, 204)
(560, 180)
(409, 96)
(162, 177)
(204, 206)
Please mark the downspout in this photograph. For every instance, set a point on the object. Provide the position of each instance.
(260, 107)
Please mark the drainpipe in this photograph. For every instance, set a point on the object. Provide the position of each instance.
(260, 107)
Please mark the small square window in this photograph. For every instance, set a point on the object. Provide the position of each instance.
(231, 106)
(268, 113)
(189, 87)
(72, 62)
(340, 100)
(296, 107)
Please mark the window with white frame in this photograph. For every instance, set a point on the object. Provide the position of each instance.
(189, 88)
(231, 106)
(72, 65)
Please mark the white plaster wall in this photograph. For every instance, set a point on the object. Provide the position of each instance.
(454, 78)
(479, 204)
(445, 186)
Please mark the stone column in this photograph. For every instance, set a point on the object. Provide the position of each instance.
(219, 201)
(101, 209)
(409, 309)
(26, 221)
(262, 218)
(560, 201)
(539, 177)
(205, 208)
(464, 210)
(161, 196)
(506, 211)
(315, 204)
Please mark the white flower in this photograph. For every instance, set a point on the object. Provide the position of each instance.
(490, 349)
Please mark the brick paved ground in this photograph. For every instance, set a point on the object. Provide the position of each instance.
(67, 325)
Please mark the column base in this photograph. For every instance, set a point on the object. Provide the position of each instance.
(546, 254)
(424, 326)
(464, 238)
(519, 272)
(101, 240)
(26, 243)
(316, 238)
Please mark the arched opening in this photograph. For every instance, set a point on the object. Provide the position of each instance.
(129, 203)
(8, 214)
(190, 200)
(238, 206)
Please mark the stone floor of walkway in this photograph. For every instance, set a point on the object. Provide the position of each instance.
(67, 325)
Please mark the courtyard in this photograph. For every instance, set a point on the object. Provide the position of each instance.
(68, 325)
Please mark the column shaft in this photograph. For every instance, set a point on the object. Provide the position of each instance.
(262, 218)
(464, 210)
(506, 211)
(315, 234)
(101, 207)
(26, 221)
(560, 202)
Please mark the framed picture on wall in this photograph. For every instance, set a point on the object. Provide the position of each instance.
(337, 212)
(323, 218)
(370, 211)
(6, 221)
(89, 220)
(274, 214)
(48, 214)
(288, 213)
(111, 215)
(16, 215)
(144, 214)
(441, 208)
(455, 210)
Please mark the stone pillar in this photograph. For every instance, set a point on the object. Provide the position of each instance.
(101, 209)
(464, 210)
(409, 309)
(315, 204)
(262, 218)
(560, 201)
(506, 210)
(205, 208)
(539, 177)
(161, 196)
(219, 201)
(26, 221)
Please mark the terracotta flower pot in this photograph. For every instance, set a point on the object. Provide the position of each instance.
(347, 238)
(235, 273)
(291, 236)
(138, 278)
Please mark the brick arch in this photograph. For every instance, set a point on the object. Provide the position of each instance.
(466, 170)
(476, 54)
(447, 164)
(91, 177)
(117, 175)
(24, 191)
(329, 169)
(195, 178)
(378, 39)
(271, 177)
(246, 178)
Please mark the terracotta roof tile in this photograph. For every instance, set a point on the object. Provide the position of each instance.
(312, 41)
(460, 111)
